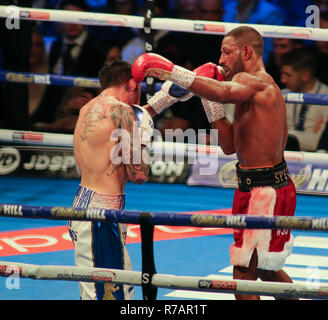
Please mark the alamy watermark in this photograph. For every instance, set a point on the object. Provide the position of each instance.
(13, 279)
(126, 147)
(13, 18)
(313, 20)
(313, 278)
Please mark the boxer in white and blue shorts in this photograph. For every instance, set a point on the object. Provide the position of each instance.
(100, 244)
(110, 130)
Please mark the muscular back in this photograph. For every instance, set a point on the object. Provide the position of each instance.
(260, 127)
(93, 145)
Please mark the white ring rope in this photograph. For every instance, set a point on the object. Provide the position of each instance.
(164, 148)
(193, 26)
(209, 284)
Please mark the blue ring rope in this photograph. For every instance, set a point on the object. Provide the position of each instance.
(165, 218)
(60, 80)
(309, 98)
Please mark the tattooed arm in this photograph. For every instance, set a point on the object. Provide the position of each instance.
(133, 155)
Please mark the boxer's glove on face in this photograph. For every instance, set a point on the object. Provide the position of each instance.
(215, 110)
(154, 65)
(171, 93)
(145, 124)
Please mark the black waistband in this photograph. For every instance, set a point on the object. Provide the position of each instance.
(276, 177)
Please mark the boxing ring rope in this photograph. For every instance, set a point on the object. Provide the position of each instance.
(84, 82)
(172, 24)
(158, 148)
(164, 218)
(58, 80)
(208, 284)
(149, 23)
(147, 219)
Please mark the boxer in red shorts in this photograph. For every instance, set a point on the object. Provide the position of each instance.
(257, 135)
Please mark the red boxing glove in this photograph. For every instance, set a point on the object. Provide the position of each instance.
(220, 74)
(208, 70)
(211, 70)
(152, 64)
(148, 61)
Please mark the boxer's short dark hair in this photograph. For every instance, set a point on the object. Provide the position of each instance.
(114, 74)
(245, 35)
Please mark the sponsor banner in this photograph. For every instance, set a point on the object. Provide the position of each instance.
(60, 162)
(38, 161)
(34, 15)
(218, 285)
(216, 28)
(299, 33)
(209, 170)
(169, 171)
(308, 177)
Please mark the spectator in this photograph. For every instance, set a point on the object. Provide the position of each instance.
(15, 45)
(38, 64)
(280, 46)
(322, 4)
(187, 49)
(187, 9)
(97, 5)
(255, 12)
(322, 51)
(323, 142)
(293, 11)
(113, 54)
(210, 10)
(136, 46)
(306, 122)
(75, 53)
(68, 113)
(69, 109)
(180, 46)
(117, 34)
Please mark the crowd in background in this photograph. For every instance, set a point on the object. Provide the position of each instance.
(80, 50)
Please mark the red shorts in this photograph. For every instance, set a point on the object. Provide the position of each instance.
(273, 246)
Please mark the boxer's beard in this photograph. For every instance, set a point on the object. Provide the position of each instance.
(239, 65)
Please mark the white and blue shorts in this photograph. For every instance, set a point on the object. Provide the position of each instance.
(100, 245)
